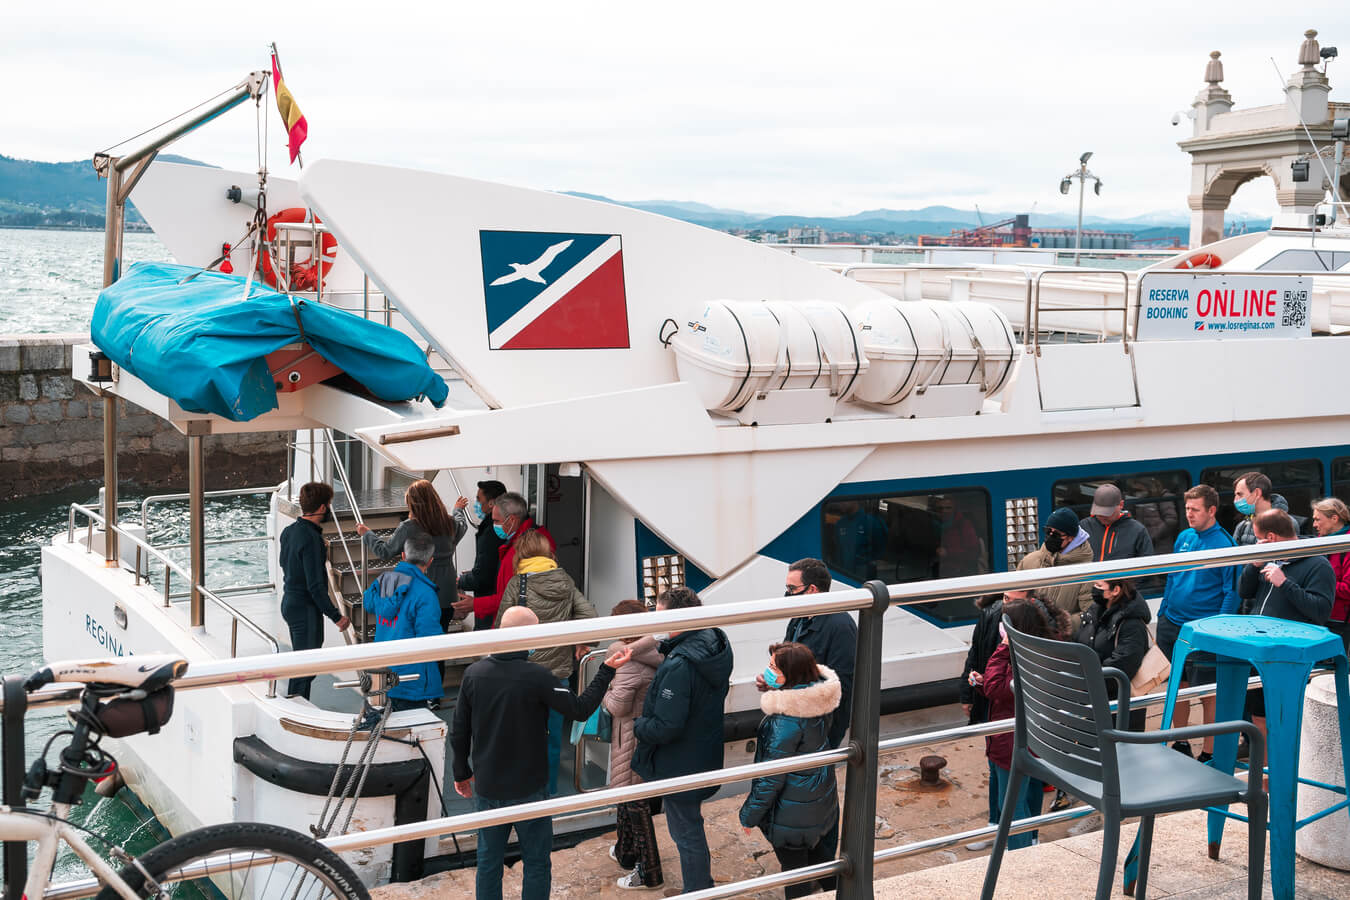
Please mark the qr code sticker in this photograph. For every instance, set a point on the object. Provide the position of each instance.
(1294, 309)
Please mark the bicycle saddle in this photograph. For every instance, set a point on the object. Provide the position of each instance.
(149, 673)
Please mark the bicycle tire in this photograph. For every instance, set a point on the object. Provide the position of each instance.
(307, 868)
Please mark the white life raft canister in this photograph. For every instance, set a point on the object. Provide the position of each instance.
(914, 343)
(735, 349)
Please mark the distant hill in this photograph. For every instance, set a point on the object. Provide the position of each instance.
(938, 220)
(66, 194)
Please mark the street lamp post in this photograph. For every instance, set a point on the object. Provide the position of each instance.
(1082, 174)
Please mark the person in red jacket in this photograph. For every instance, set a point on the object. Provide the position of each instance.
(996, 685)
(510, 520)
(1331, 516)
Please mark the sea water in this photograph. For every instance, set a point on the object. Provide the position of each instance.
(49, 281)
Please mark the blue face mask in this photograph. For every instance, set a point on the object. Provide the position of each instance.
(500, 531)
(478, 510)
(1244, 506)
(771, 678)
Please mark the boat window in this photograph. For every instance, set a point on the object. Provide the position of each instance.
(1298, 481)
(910, 537)
(1155, 499)
(1340, 478)
(1306, 260)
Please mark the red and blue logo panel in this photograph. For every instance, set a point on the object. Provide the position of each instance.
(548, 290)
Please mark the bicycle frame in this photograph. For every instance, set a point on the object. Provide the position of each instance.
(48, 831)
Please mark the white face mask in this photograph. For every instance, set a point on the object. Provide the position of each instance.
(663, 636)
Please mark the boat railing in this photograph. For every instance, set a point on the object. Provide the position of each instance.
(854, 866)
(166, 498)
(143, 546)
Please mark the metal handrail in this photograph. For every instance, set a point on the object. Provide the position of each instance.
(144, 546)
(364, 577)
(221, 542)
(301, 663)
(579, 758)
(162, 498)
(413, 650)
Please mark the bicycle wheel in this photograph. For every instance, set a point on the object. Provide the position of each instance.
(303, 869)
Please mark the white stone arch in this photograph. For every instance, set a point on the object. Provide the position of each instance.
(1230, 147)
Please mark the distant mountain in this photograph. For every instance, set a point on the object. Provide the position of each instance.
(62, 193)
(938, 220)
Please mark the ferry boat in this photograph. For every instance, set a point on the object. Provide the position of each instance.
(678, 405)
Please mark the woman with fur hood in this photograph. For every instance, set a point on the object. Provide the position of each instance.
(797, 809)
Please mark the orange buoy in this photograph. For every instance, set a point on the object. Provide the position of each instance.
(304, 275)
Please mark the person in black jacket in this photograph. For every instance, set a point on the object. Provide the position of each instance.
(680, 729)
(984, 640)
(1112, 532)
(1301, 590)
(797, 810)
(500, 738)
(1116, 627)
(302, 557)
(831, 638)
(481, 580)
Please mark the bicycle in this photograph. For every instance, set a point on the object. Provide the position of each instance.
(133, 696)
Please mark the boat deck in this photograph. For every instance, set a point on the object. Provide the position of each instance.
(1067, 869)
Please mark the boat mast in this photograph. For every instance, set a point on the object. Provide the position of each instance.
(122, 173)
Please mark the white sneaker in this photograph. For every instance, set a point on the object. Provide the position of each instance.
(633, 882)
(977, 846)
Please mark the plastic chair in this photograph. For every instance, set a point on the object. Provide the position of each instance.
(1064, 735)
(1284, 654)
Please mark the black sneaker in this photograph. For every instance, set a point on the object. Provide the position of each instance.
(1183, 747)
(1204, 757)
(1062, 801)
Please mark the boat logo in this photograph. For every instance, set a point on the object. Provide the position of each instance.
(1199, 326)
(546, 290)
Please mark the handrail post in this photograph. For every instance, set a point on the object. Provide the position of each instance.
(15, 852)
(858, 838)
(196, 530)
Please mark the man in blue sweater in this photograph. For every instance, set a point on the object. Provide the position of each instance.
(1195, 595)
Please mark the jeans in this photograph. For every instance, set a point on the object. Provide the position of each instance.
(684, 820)
(1028, 804)
(796, 857)
(535, 838)
(995, 798)
(555, 736)
(306, 627)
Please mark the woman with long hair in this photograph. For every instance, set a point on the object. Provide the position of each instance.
(1331, 516)
(635, 846)
(995, 682)
(797, 810)
(426, 515)
(552, 595)
(1116, 627)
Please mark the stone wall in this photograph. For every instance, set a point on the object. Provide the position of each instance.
(51, 431)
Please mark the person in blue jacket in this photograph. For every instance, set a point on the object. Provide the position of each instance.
(797, 811)
(1196, 595)
(406, 604)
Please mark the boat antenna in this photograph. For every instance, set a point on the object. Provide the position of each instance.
(1336, 200)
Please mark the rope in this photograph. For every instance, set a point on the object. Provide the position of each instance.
(357, 774)
(165, 122)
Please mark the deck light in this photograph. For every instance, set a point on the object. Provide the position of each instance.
(1064, 186)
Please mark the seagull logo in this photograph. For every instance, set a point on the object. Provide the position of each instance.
(532, 271)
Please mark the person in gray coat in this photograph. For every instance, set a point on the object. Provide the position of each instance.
(426, 515)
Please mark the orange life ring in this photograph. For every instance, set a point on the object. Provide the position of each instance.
(1200, 261)
(304, 274)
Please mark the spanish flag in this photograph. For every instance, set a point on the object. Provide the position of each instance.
(297, 129)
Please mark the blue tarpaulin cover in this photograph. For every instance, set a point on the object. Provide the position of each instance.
(203, 345)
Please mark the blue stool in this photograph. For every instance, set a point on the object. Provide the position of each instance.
(1284, 654)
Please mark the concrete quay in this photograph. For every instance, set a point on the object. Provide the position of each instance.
(51, 431)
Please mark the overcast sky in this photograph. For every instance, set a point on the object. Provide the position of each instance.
(811, 108)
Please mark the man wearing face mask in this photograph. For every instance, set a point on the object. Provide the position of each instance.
(510, 520)
(832, 638)
(1066, 544)
(481, 580)
(302, 556)
(1253, 494)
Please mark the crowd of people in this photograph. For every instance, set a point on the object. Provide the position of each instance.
(1112, 618)
(665, 693)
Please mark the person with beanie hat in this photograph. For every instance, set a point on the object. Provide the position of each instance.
(1065, 544)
